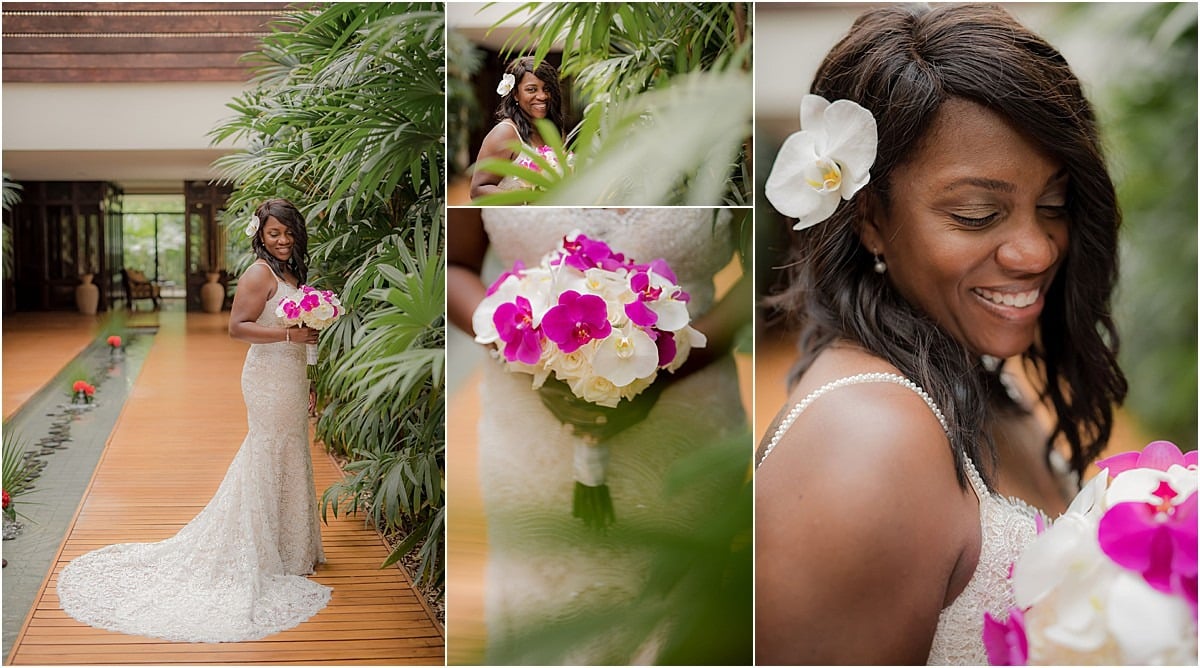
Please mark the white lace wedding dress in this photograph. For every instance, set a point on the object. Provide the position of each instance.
(1007, 526)
(235, 572)
(543, 565)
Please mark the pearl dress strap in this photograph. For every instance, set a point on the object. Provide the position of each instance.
(859, 379)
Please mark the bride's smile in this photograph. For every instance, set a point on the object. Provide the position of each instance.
(532, 96)
(278, 239)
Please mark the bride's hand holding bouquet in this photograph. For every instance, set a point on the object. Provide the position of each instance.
(312, 309)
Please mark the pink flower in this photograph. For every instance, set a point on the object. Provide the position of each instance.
(576, 320)
(666, 347)
(79, 386)
(518, 267)
(584, 253)
(114, 341)
(291, 310)
(645, 291)
(1159, 455)
(1158, 541)
(514, 325)
(1006, 642)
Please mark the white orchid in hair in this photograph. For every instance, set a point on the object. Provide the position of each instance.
(827, 161)
(507, 82)
(252, 226)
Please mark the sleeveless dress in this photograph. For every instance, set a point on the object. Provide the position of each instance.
(513, 182)
(526, 454)
(235, 572)
(1007, 527)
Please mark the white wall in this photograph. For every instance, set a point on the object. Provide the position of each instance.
(124, 132)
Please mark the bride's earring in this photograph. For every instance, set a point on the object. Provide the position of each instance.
(880, 265)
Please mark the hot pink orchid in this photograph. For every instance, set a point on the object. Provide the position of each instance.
(1006, 642)
(1159, 455)
(576, 320)
(514, 325)
(1158, 541)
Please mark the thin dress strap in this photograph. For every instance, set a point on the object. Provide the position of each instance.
(277, 276)
(977, 484)
(859, 379)
(509, 121)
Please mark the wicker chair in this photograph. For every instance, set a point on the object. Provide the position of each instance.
(137, 287)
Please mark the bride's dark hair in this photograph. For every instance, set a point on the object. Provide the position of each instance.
(901, 63)
(508, 103)
(286, 213)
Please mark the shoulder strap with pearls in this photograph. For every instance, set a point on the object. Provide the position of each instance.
(876, 377)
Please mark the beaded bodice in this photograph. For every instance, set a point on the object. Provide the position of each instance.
(1007, 527)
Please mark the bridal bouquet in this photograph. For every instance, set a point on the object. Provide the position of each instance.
(313, 308)
(1113, 581)
(603, 325)
(550, 157)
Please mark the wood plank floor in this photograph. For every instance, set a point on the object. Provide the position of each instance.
(36, 347)
(176, 436)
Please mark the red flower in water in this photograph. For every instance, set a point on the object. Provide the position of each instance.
(7, 500)
(80, 386)
(114, 341)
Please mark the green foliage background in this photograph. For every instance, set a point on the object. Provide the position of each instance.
(346, 119)
(1148, 117)
(642, 71)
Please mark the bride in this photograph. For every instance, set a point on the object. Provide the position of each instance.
(545, 570)
(526, 93)
(235, 572)
(960, 225)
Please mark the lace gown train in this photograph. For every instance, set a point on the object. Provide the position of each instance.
(235, 572)
(543, 566)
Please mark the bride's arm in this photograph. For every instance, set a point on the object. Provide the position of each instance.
(466, 244)
(861, 529)
(722, 322)
(254, 288)
(496, 144)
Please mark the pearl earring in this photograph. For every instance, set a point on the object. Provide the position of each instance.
(880, 265)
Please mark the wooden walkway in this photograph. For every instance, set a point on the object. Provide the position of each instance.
(36, 347)
(176, 436)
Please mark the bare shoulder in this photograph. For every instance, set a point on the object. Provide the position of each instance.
(503, 132)
(257, 281)
(859, 516)
(257, 273)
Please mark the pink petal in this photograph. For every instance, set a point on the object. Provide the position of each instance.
(1118, 464)
(1006, 642)
(1160, 455)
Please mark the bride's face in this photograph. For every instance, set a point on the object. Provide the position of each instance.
(278, 239)
(976, 229)
(532, 96)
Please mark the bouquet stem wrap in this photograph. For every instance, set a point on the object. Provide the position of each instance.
(311, 349)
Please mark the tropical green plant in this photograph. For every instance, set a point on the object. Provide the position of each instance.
(463, 60)
(345, 117)
(11, 197)
(19, 471)
(642, 70)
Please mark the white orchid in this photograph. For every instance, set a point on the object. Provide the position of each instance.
(827, 161)
(252, 226)
(507, 83)
(626, 355)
